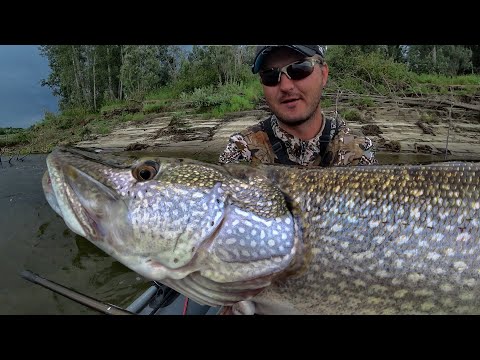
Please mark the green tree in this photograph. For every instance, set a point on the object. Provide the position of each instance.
(215, 65)
(475, 58)
(440, 59)
(82, 75)
(366, 71)
(145, 68)
(63, 78)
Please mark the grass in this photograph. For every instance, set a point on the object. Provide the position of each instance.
(101, 127)
(155, 107)
(163, 93)
(449, 80)
(132, 117)
(439, 84)
(112, 105)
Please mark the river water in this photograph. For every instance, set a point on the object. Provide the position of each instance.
(33, 237)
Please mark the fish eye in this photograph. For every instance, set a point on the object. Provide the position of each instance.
(145, 171)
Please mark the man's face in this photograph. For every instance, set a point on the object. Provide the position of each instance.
(294, 101)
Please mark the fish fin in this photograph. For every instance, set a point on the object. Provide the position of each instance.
(244, 307)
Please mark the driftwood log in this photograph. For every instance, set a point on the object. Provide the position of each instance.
(425, 128)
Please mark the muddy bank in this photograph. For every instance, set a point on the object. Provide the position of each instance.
(402, 130)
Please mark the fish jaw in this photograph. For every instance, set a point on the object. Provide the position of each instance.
(57, 194)
(49, 194)
(88, 207)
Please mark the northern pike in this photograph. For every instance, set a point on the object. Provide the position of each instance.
(272, 239)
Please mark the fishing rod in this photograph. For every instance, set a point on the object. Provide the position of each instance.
(74, 295)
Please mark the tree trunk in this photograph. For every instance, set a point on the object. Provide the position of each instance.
(77, 81)
(94, 83)
(120, 85)
(110, 88)
(81, 77)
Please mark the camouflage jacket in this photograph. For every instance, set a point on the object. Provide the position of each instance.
(253, 145)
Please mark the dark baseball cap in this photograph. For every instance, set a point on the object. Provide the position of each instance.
(307, 50)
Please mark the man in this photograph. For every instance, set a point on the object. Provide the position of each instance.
(298, 133)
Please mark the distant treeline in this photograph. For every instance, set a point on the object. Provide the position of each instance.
(91, 76)
(11, 136)
(10, 130)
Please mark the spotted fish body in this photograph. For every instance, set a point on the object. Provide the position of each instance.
(385, 240)
(286, 240)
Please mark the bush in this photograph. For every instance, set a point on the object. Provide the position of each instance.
(239, 103)
(429, 118)
(351, 115)
(218, 100)
(368, 73)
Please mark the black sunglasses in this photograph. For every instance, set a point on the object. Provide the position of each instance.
(295, 71)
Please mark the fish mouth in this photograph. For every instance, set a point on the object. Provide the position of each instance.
(52, 201)
(93, 225)
(88, 207)
(49, 194)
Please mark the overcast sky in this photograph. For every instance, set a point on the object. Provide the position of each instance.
(22, 100)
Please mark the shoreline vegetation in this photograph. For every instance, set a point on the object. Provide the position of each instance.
(210, 93)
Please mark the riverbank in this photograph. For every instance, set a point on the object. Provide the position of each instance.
(395, 129)
(412, 129)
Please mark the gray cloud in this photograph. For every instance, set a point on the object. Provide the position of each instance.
(23, 101)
